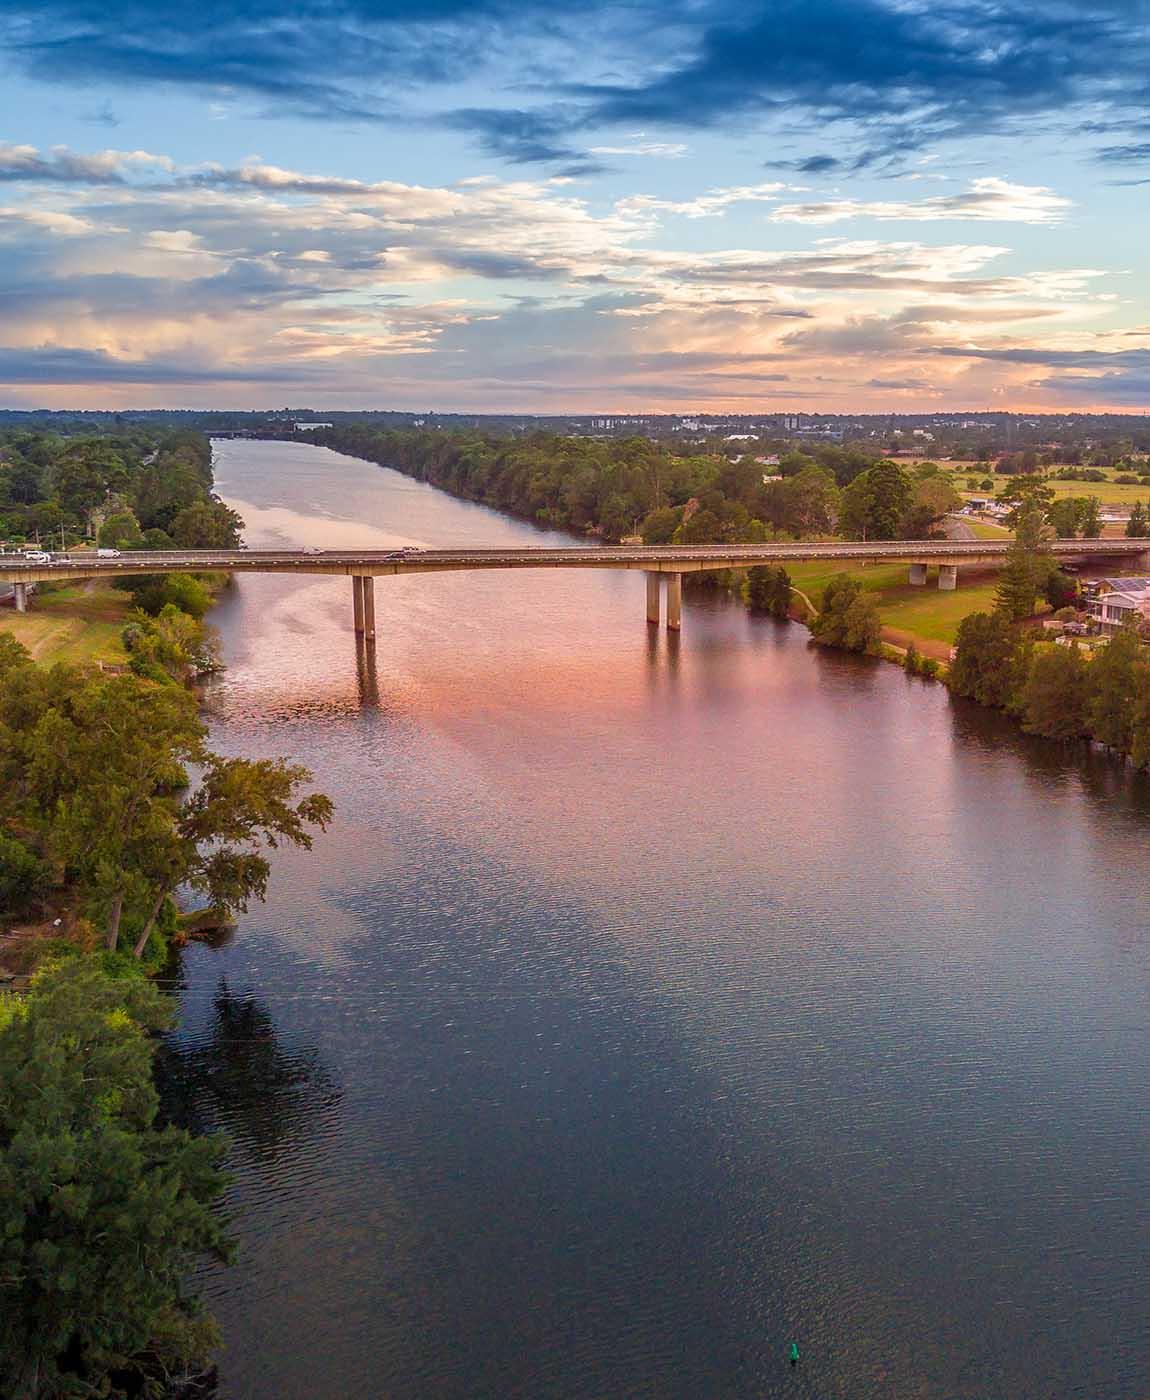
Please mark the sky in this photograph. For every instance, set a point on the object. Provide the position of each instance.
(476, 205)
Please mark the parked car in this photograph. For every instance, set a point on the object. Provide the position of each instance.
(107, 554)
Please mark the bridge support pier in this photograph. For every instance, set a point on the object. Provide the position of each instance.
(20, 593)
(357, 603)
(674, 602)
(948, 576)
(653, 599)
(918, 575)
(367, 587)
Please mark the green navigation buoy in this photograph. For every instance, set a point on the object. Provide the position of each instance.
(794, 1353)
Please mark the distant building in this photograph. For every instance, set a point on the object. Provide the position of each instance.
(310, 427)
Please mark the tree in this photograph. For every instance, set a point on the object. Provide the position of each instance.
(811, 501)
(120, 531)
(1140, 729)
(97, 765)
(208, 524)
(769, 590)
(857, 508)
(1052, 701)
(890, 499)
(1112, 690)
(1138, 526)
(1091, 518)
(847, 618)
(1060, 590)
(1027, 564)
(102, 1214)
(1026, 495)
(1065, 516)
(659, 526)
(23, 877)
(876, 502)
(932, 498)
(983, 665)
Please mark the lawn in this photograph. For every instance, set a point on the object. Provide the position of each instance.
(928, 616)
(987, 530)
(74, 624)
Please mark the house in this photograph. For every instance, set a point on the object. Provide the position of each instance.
(1118, 601)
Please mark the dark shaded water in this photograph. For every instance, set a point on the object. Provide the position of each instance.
(651, 1005)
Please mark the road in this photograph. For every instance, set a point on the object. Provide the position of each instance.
(665, 559)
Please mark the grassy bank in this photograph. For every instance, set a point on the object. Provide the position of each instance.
(78, 623)
(928, 616)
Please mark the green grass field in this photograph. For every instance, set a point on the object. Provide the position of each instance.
(1108, 492)
(79, 624)
(987, 530)
(928, 616)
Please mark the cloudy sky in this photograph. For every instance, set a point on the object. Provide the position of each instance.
(475, 204)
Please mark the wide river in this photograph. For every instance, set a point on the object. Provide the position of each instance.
(656, 1002)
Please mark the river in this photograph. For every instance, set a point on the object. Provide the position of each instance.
(654, 1002)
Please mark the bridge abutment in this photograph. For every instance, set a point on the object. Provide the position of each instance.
(918, 575)
(947, 576)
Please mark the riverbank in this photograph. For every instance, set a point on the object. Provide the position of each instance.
(80, 623)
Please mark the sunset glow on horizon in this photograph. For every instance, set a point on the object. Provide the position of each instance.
(842, 206)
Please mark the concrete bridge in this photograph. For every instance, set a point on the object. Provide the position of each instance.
(365, 565)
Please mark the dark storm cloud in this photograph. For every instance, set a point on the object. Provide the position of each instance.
(969, 65)
(905, 74)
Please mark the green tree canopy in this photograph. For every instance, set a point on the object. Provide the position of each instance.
(102, 1214)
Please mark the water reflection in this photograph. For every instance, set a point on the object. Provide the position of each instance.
(685, 994)
(236, 1075)
(367, 677)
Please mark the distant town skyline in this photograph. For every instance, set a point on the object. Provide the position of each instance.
(837, 206)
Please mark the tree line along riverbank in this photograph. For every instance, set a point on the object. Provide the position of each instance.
(103, 1208)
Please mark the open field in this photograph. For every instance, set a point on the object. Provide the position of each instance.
(81, 623)
(986, 529)
(927, 616)
(1108, 492)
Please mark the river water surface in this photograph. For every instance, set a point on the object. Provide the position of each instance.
(655, 1002)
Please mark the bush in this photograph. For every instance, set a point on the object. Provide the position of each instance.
(848, 618)
(23, 876)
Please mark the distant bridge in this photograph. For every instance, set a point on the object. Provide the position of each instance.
(364, 565)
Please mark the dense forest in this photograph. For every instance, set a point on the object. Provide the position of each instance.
(634, 488)
(110, 802)
(136, 488)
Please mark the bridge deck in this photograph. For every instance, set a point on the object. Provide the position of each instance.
(664, 559)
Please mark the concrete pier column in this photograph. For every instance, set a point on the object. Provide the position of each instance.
(357, 603)
(367, 587)
(674, 602)
(918, 575)
(20, 590)
(948, 576)
(653, 599)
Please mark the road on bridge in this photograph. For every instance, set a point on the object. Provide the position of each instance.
(15, 568)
